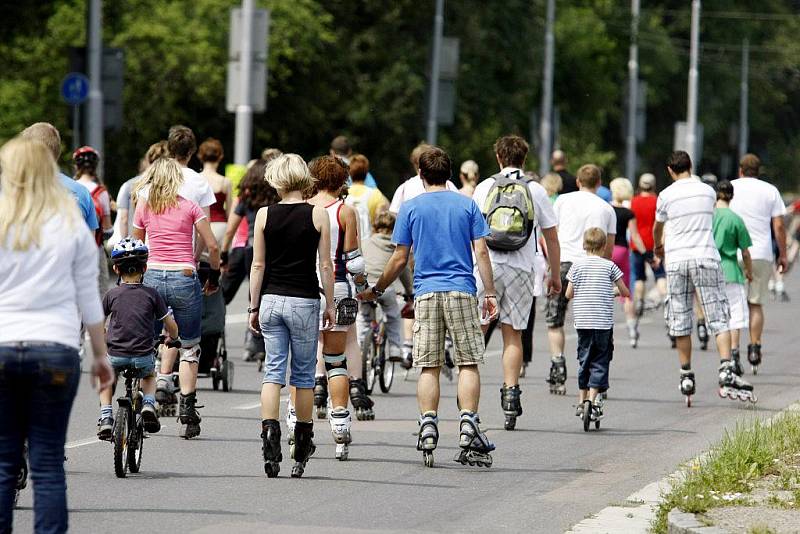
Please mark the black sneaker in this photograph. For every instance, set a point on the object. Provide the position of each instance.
(150, 418)
(105, 427)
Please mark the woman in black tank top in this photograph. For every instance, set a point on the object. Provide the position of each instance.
(289, 238)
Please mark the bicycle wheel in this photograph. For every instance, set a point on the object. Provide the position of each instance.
(387, 376)
(120, 437)
(135, 443)
(587, 414)
(368, 365)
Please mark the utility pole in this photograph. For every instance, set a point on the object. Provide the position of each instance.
(546, 124)
(94, 51)
(433, 101)
(243, 137)
(691, 112)
(744, 126)
(633, 94)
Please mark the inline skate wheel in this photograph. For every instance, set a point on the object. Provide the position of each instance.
(272, 469)
(322, 412)
(511, 422)
(597, 425)
(291, 450)
(587, 414)
(342, 451)
(428, 457)
(755, 370)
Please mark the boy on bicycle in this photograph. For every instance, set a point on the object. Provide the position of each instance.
(132, 309)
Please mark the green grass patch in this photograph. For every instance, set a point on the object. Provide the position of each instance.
(728, 472)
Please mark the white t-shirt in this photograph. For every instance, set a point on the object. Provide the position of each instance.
(104, 198)
(411, 188)
(576, 212)
(757, 202)
(195, 188)
(687, 209)
(524, 258)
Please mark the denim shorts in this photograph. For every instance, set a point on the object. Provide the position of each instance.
(145, 366)
(185, 296)
(290, 323)
(595, 351)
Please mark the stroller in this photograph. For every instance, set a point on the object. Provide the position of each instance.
(214, 362)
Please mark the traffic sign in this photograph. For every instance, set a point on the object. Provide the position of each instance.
(74, 88)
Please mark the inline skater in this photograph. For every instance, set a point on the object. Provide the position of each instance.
(291, 238)
(516, 209)
(683, 233)
(169, 220)
(576, 212)
(131, 308)
(443, 227)
(761, 206)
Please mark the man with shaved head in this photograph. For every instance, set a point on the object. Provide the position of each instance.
(558, 162)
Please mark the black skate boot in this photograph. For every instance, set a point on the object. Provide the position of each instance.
(558, 375)
(702, 334)
(686, 386)
(509, 402)
(321, 396)
(165, 398)
(737, 365)
(754, 356)
(271, 446)
(303, 446)
(188, 416)
(733, 386)
(475, 446)
(428, 436)
(361, 401)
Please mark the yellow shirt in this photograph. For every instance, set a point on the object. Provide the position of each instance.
(375, 200)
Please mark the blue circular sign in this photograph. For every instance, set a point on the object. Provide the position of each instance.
(74, 88)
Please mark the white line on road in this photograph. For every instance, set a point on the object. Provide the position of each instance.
(250, 406)
(81, 443)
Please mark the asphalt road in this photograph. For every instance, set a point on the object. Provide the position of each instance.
(547, 475)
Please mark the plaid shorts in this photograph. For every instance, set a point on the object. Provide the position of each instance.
(515, 290)
(704, 278)
(451, 312)
(556, 310)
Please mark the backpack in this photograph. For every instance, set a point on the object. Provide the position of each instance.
(509, 211)
(98, 209)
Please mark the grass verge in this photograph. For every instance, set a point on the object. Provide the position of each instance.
(731, 468)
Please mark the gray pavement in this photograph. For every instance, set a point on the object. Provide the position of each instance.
(547, 475)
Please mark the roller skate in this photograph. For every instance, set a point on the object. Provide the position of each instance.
(321, 396)
(475, 446)
(165, 397)
(362, 404)
(686, 386)
(428, 436)
(303, 448)
(340, 430)
(633, 334)
(702, 334)
(732, 386)
(558, 375)
(291, 421)
(271, 446)
(754, 356)
(737, 365)
(188, 416)
(509, 402)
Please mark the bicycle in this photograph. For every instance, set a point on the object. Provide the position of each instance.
(373, 355)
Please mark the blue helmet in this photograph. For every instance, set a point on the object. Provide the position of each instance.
(129, 250)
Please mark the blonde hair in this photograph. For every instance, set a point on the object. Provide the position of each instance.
(31, 194)
(589, 176)
(164, 178)
(552, 183)
(287, 173)
(45, 133)
(621, 189)
(470, 170)
(594, 241)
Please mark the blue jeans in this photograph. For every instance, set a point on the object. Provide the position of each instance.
(290, 322)
(595, 350)
(185, 296)
(145, 366)
(38, 383)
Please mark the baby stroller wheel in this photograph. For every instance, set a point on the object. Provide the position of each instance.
(227, 375)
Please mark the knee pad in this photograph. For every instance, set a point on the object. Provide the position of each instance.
(346, 311)
(190, 354)
(335, 365)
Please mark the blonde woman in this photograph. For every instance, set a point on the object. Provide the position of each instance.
(621, 193)
(469, 178)
(169, 221)
(553, 184)
(290, 237)
(49, 282)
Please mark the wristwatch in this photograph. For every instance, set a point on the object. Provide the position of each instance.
(378, 292)
(252, 310)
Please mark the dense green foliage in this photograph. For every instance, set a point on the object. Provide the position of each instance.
(360, 68)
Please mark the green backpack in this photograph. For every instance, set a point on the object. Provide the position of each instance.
(509, 211)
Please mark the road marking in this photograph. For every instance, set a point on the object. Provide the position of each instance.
(251, 406)
(81, 443)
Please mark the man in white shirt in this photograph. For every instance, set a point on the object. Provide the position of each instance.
(762, 208)
(683, 235)
(514, 276)
(575, 212)
(413, 187)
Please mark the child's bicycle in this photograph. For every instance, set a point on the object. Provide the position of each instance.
(373, 355)
(592, 412)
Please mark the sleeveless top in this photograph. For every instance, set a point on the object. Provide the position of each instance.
(291, 242)
(337, 241)
(360, 203)
(218, 213)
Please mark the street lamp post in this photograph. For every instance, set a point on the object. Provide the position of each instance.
(546, 123)
(691, 111)
(633, 94)
(433, 101)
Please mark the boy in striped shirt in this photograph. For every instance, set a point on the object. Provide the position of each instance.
(591, 285)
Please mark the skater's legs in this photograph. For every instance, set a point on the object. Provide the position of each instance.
(684, 346)
(556, 337)
(303, 403)
(333, 348)
(428, 389)
(756, 323)
(187, 371)
(527, 336)
(353, 353)
(512, 354)
(271, 401)
(469, 387)
(168, 357)
(724, 345)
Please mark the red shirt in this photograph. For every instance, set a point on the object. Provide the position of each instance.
(644, 209)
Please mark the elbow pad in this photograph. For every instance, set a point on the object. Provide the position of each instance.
(356, 266)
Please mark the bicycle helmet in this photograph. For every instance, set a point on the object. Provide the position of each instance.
(129, 250)
(86, 156)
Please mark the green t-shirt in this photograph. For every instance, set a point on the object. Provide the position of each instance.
(730, 235)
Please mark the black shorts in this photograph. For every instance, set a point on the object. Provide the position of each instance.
(638, 267)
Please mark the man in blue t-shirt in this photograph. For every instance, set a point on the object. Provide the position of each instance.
(444, 228)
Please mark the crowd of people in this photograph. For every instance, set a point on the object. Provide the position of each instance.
(319, 243)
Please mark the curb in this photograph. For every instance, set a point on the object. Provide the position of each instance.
(685, 523)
